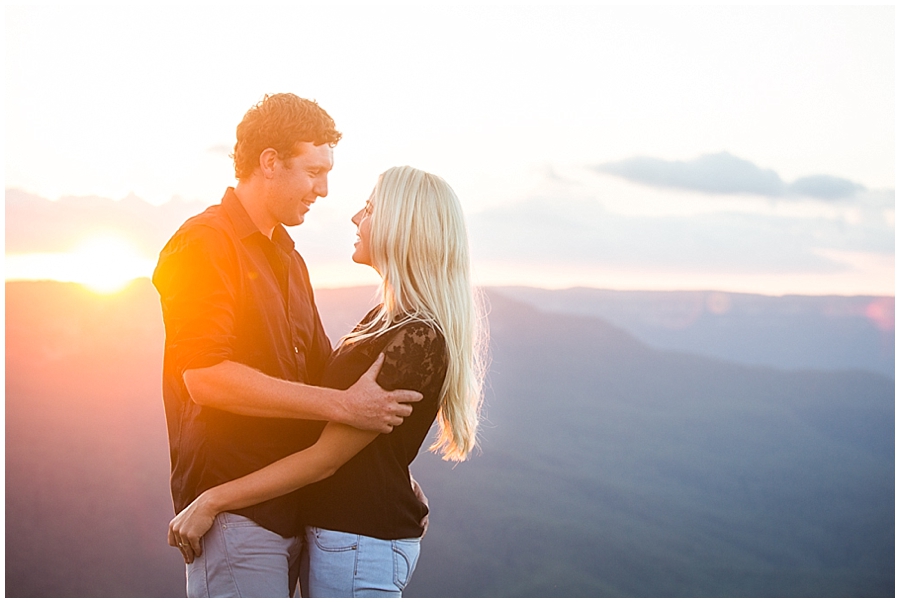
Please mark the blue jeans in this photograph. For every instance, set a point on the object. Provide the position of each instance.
(350, 565)
(242, 559)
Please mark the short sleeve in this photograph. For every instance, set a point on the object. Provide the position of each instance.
(196, 281)
(320, 347)
(415, 358)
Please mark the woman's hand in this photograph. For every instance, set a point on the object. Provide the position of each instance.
(420, 494)
(189, 526)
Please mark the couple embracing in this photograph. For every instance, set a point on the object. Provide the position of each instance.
(290, 459)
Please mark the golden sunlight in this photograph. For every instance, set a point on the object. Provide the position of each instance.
(104, 264)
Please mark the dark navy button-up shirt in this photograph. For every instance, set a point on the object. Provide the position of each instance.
(230, 293)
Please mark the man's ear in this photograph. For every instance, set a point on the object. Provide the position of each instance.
(267, 160)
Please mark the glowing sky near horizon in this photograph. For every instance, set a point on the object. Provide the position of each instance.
(508, 103)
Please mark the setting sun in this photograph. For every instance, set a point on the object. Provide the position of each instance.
(104, 264)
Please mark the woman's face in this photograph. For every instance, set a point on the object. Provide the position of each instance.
(363, 221)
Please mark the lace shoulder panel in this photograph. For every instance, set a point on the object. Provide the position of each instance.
(370, 315)
(415, 358)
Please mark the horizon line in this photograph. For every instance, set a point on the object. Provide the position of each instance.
(131, 283)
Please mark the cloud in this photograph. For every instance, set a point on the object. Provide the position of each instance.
(723, 173)
(38, 225)
(825, 187)
(561, 227)
(573, 231)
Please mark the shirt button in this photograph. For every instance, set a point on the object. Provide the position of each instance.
(296, 350)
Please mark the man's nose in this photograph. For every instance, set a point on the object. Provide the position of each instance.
(321, 188)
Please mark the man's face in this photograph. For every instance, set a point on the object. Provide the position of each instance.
(298, 182)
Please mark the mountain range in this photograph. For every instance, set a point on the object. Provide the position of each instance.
(787, 332)
(610, 464)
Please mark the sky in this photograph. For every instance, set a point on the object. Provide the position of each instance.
(715, 147)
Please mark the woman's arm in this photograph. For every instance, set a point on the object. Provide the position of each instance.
(412, 359)
(337, 445)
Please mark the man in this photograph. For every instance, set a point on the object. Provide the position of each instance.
(245, 346)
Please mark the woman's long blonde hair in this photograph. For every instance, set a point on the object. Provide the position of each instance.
(419, 245)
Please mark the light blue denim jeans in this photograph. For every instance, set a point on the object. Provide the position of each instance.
(243, 559)
(350, 565)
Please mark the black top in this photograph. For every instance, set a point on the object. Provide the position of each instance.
(371, 494)
(230, 293)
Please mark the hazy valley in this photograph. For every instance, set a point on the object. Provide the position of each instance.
(609, 467)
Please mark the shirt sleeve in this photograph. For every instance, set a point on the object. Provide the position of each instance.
(197, 281)
(415, 358)
(320, 348)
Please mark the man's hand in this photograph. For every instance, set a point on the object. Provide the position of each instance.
(365, 405)
(420, 494)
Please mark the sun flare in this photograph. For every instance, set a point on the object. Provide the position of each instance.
(104, 264)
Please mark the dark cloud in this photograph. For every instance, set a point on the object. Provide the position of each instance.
(825, 187)
(718, 173)
(724, 173)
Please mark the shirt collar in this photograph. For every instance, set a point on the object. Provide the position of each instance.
(245, 227)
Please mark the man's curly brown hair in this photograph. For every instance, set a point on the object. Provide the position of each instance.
(280, 121)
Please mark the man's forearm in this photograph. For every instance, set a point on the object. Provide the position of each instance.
(242, 390)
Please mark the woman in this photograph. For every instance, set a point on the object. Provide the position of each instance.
(365, 521)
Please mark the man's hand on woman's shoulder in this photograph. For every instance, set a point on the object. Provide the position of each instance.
(367, 406)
